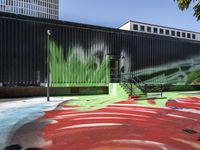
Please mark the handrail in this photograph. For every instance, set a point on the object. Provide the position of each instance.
(138, 82)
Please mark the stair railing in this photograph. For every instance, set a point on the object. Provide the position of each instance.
(152, 88)
(128, 80)
(139, 83)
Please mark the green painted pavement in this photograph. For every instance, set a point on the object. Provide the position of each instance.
(95, 102)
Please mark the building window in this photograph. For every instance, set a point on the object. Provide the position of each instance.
(135, 27)
(188, 36)
(173, 33)
(167, 32)
(155, 30)
(178, 34)
(193, 36)
(38, 8)
(142, 28)
(148, 29)
(183, 34)
(161, 31)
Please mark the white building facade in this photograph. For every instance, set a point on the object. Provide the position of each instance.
(160, 30)
(37, 8)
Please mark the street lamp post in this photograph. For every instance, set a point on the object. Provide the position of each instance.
(48, 78)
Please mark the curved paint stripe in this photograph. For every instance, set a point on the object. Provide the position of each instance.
(91, 125)
(103, 118)
(98, 113)
(141, 142)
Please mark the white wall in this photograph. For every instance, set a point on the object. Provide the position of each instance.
(126, 26)
(129, 26)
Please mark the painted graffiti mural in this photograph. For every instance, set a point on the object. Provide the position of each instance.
(78, 68)
(93, 67)
(153, 60)
(178, 73)
(107, 123)
(80, 55)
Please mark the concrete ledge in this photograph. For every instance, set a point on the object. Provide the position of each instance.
(13, 92)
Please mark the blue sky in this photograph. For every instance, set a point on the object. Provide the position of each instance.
(113, 13)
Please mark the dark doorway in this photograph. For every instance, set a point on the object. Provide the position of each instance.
(114, 70)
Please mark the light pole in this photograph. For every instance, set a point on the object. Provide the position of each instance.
(48, 78)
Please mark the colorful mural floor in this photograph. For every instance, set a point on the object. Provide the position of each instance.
(108, 123)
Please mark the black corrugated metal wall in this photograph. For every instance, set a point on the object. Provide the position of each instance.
(23, 45)
(23, 58)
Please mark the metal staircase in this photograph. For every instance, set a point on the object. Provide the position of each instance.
(134, 86)
(130, 87)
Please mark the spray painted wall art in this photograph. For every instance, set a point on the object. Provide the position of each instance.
(85, 55)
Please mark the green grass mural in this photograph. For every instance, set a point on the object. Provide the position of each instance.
(76, 69)
(185, 72)
(82, 68)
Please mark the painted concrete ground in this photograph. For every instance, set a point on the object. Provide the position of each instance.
(15, 113)
(109, 123)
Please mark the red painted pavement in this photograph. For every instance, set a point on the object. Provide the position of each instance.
(124, 126)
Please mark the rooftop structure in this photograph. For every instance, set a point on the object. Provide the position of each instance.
(160, 30)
